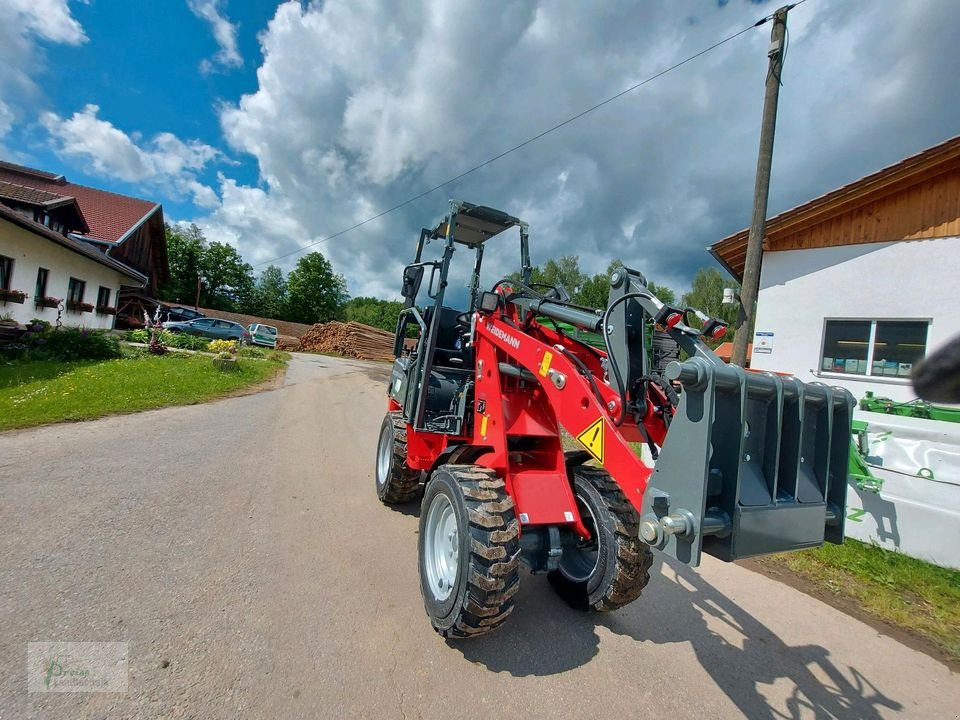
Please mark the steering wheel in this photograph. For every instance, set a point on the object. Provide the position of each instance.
(465, 320)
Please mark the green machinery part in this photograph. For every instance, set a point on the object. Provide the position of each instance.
(858, 468)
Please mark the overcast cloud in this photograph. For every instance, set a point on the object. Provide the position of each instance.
(342, 128)
(360, 105)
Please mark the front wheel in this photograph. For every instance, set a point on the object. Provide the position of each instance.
(469, 551)
(396, 483)
(610, 569)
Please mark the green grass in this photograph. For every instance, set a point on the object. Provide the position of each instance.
(40, 392)
(919, 597)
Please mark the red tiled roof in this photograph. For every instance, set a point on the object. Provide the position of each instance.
(29, 195)
(109, 215)
(725, 351)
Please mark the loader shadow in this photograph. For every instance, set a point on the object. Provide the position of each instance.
(679, 606)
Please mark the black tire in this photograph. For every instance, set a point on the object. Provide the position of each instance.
(612, 569)
(487, 544)
(396, 483)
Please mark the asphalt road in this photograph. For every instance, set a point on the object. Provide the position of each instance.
(240, 550)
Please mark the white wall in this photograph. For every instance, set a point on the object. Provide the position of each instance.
(897, 280)
(31, 252)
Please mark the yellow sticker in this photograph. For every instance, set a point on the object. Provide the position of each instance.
(483, 426)
(545, 363)
(592, 439)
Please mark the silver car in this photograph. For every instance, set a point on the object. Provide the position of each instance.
(260, 334)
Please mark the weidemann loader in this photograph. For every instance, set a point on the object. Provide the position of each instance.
(740, 463)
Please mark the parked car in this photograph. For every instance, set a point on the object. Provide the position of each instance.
(182, 314)
(261, 334)
(211, 328)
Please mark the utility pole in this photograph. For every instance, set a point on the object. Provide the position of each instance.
(758, 222)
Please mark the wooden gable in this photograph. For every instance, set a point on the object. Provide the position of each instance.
(917, 198)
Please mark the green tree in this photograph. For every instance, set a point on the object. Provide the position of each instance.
(373, 311)
(185, 248)
(706, 294)
(227, 279)
(595, 290)
(663, 293)
(587, 290)
(315, 292)
(563, 271)
(269, 297)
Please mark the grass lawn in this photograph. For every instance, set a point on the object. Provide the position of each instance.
(921, 598)
(39, 392)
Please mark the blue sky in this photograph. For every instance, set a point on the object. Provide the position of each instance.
(140, 66)
(272, 125)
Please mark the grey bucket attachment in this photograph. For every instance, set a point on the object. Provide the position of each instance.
(754, 463)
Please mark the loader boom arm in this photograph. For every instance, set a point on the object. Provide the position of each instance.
(744, 464)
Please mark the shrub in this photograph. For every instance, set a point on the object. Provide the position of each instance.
(256, 353)
(222, 346)
(68, 344)
(138, 336)
(183, 341)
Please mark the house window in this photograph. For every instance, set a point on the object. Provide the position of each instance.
(6, 272)
(103, 297)
(75, 290)
(873, 348)
(41, 290)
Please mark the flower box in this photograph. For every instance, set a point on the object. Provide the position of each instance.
(14, 296)
(106, 310)
(79, 307)
(47, 302)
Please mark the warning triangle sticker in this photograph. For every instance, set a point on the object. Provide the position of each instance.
(592, 439)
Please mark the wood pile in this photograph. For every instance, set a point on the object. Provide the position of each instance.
(351, 339)
(288, 342)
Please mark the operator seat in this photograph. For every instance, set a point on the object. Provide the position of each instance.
(450, 351)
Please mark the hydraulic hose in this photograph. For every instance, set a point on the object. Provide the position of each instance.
(612, 358)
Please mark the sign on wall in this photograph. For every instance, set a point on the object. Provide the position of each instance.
(763, 343)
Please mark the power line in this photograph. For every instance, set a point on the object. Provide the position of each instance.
(526, 142)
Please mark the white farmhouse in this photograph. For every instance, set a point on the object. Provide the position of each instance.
(46, 274)
(126, 230)
(857, 286)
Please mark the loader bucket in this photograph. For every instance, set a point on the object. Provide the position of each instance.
(753, 463)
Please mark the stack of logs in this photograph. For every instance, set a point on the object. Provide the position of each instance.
(351, 339)
(288, 342)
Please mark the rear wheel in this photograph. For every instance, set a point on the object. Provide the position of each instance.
(396, 483)
(469, 551)
(610, 569)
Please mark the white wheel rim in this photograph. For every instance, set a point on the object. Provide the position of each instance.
(441, 547)
(384, 454)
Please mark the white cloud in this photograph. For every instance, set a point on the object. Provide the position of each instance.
(224, 32)
(341, 129)
(47, 19)
(164, 161)
(23, 23)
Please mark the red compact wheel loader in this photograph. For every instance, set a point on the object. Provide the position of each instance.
(739, 463)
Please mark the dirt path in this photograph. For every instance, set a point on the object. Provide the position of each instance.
(239, 548)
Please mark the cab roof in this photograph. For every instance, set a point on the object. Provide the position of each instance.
(475, 224)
